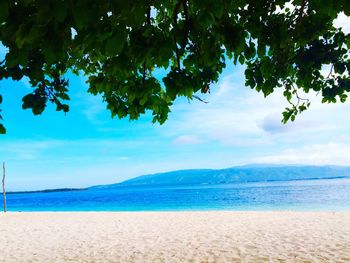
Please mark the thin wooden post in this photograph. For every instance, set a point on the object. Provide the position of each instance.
(3, 185)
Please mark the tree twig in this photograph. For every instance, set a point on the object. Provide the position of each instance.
(330, 72)
(301, 13)
(176, 11)
(144, 63)
(200, 99)
(149, 14)
(299, 98)
(144, 73)
(3, 185)
(187, 24)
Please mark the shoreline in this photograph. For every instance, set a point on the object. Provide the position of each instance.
(204, 210)
(202, 236)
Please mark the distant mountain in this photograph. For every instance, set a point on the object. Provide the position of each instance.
(239, 174)
(47, 191)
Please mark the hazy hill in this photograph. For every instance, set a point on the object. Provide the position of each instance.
(249, 173)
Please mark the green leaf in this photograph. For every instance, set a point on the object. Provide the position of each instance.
(115, 44)
(348, 41)
(4, 5)
(241, 59)
(50, 55)
(59, 10)
(2, 129)
(28, 101)
(339, 68)
(63, 96)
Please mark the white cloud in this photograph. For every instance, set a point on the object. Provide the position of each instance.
(237, 116)
(186, 139)
(26, 149)
(317, 154)
(122, 158)
(230, 116)
(67, 151)
(92, 107)
(342, 21)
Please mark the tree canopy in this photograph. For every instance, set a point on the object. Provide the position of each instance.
(118, 45)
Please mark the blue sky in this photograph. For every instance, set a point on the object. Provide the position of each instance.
(238, 126)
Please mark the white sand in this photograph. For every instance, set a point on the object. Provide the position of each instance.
(175, 237)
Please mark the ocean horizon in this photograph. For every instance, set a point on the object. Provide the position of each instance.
(298, 195)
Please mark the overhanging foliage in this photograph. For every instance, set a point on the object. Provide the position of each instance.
(118, 45)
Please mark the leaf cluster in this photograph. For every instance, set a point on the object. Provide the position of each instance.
(118, 45)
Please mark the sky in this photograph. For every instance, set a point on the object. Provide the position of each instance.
(238, 126)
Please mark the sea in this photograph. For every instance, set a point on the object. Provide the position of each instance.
(299, 195)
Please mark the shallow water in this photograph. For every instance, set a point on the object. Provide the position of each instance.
(315, 195)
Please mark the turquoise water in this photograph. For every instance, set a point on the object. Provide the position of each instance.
(316, 195)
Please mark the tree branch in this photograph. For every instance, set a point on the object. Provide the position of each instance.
(144, 73)
(301, 12)
(149, 14)
(176, 11)
(144, 63)
(200, 99)
(3, 185)
(295, 91)
(330, 72)
(187, 24)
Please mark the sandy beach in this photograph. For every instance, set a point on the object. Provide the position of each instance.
(175, 237)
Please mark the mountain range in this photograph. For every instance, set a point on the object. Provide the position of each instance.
(238, 174)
